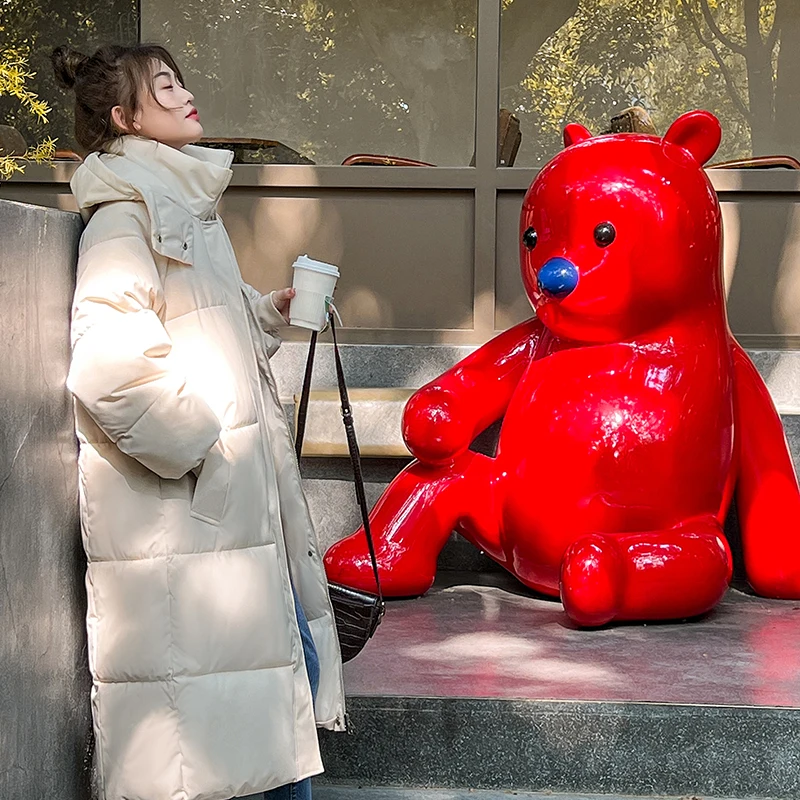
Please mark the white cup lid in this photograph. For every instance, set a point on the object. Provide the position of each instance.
(304, 262)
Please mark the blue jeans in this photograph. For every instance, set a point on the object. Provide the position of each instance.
(309, 649)
(292, 791)
(301, 790)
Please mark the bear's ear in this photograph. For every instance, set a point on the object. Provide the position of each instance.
(698, 132)
(575, 133)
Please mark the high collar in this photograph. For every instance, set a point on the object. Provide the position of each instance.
(176, 186)
(194, 176)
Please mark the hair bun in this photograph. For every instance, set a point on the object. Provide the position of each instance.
(66, 63)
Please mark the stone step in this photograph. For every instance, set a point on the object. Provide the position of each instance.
(650, 750)
(486, 685)
(393, 793)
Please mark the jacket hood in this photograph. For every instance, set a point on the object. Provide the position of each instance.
(175, 186)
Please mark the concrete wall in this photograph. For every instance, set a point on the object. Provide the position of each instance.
(44, 701)
(431, 256)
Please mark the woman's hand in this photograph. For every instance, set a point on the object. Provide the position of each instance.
(281, 298)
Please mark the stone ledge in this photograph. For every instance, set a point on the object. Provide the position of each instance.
(381, 378)
(370, 366)
(377, 415)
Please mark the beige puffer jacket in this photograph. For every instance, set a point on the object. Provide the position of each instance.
(192, 510)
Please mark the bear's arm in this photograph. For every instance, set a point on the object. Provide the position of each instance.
(445, 415)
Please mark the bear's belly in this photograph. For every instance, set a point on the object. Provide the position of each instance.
(603, 452)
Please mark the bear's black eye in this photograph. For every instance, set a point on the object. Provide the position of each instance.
(604, 234)
(529, 238)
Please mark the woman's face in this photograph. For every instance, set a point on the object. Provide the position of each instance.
(171, 117)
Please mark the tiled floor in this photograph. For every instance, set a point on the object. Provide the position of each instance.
(487, 636)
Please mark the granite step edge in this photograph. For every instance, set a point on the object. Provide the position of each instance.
(589, 747)
(346, 791)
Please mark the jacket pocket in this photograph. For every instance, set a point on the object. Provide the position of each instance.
(211, 490)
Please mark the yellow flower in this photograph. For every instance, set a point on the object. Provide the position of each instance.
(13, 75)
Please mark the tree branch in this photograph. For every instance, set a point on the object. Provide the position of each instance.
(715, 29)
(775, 32)
(726, 73)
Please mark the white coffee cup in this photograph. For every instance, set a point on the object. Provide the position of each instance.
(314, 284)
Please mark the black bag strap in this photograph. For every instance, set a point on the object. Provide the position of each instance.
(302, 411)
(350, 432)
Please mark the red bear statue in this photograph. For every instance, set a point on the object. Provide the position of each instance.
(630, 414)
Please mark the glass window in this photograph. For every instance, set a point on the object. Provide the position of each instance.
(329, 78)
(36, 27)
(564, 61)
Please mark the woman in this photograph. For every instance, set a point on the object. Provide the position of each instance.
(203, 563)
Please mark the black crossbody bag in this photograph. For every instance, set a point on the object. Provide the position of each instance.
(357, 613)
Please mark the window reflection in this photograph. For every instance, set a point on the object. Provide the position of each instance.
(327, 79)
(330, 78)
(564, 61)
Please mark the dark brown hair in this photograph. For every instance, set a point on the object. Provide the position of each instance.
(113, 76)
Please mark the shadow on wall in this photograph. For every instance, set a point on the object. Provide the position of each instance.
(398, 270)
(45, 736)
(269, 232)
(760, 267)
(762, 277)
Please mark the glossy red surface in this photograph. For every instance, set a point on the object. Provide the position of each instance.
(629, 411)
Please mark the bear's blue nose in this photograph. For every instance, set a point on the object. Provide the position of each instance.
(558, 277)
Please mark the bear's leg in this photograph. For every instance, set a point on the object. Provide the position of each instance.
(767, 496)
(653, 575)
(410, 524)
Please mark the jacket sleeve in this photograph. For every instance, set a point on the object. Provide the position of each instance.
(269, 318)
(124, 371)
